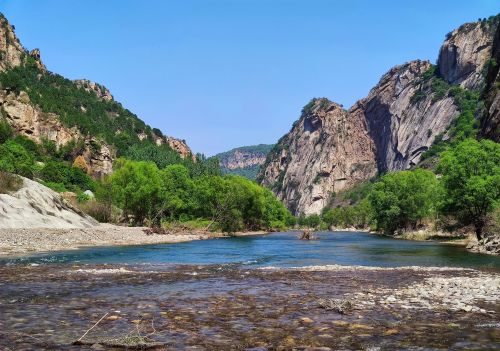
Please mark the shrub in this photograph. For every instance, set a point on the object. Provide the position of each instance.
(5, 131)
(9, 182)
(14, 158)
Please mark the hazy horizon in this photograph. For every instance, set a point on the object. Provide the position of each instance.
(224, 74)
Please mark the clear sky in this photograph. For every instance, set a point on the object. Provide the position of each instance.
(228, 73)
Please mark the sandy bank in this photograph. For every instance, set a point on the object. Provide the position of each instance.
(30, 240)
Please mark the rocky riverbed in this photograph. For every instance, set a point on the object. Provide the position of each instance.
(227, 307)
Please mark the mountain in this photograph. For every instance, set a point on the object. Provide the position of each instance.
(80, 116)
(245, 160)
(413, 108)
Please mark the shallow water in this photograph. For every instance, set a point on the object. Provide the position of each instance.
(207, 295)
(280, 250)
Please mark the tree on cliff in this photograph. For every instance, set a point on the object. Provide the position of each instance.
(471, 178)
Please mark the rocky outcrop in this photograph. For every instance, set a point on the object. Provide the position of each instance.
(28, 119)
(244, 161)
(327, 150)
(330, 149)
(490, 121)
(12, 53)
(465, 53)
(179, 146)
(100, 91)
(36, 206)
(401, 126)
(244, 157)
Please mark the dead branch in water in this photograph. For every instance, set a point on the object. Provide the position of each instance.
(77, 342)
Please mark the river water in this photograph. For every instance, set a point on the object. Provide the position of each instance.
(281, 250)
(245, 294)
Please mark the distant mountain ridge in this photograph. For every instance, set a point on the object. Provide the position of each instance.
(413, 107)
(245, 160)
(47, 107)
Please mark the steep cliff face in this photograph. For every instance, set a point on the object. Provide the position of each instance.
(465, 53)
(403, 115)
(490, 122)
(327, 150)
(34, 121)
(177, 145)
(12, 53)
(245, 160)
(330, 149)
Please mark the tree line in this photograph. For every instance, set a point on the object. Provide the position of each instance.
(465, 187)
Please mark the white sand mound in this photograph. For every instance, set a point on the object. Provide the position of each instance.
(36, 206)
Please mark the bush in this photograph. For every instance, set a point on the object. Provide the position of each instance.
(14, 158)
(9, 182)
(5, 131)
(71, 177)
(400, 200)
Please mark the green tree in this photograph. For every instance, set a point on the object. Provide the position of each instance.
(401, 200)
(471, 179)
(136, 188)
(14, 158)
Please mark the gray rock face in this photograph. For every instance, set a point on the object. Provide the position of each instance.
(327, 150)
(100, 91)
(403, 129)
(330, 149)
(29, 120)
(36, 206)
(465, 53)
(12, 53)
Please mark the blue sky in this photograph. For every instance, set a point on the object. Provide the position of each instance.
(228, 73)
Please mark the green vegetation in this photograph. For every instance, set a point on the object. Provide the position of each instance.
(249, 172)
(471, 178)
(106, 120)
(9, 182)
(22, 156)
(467, 191)
(230, 203)
(403, 199)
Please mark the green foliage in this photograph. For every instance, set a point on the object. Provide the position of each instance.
(358, 216)
(5, 131)
(77, 107)
(463, 127)
(9, 182)
(401, 200)
(231, 203)
(136, 188)
(14, 158)
(471, 179)
(72, 178)
(162, 155)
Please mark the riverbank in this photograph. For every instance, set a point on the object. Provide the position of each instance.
(33, 240)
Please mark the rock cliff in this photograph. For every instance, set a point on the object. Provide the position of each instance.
(29, 119)
(329, 149)
(100, 91)
(245, 160)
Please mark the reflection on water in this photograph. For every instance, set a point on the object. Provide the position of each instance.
(281, 250)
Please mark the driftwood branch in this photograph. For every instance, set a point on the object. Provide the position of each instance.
(81, 337)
